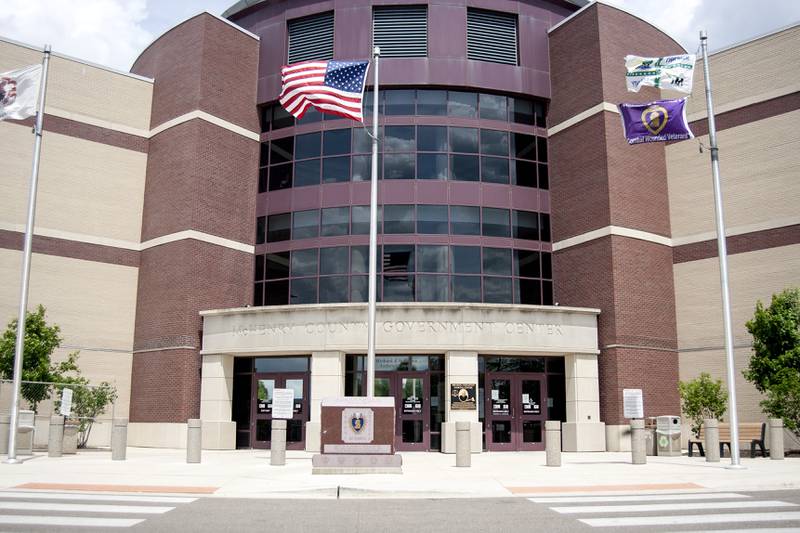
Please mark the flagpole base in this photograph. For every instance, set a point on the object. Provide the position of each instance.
(735, 467)
(14, 461)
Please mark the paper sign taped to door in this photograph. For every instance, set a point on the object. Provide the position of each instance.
(495, 394)
(283, 403)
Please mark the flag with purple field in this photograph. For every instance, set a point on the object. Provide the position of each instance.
(659, 121)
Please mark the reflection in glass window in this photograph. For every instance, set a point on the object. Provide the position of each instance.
(497, 261)
(465, 220)
(494, 169)
(398, 258)
(281, 150)
(336, 142)
(496, 222)
(464, 168)
(522, 111)
(433, 288)
(279, 227)
(311, 116)
(431, 102)
(359, 289)
(335, 169)
(304, 262)
(362, 167)
(524, 146)
(305, 224)
(399, 102)
(398, 288)
(276, 292)
(493, 107)
(524, 173)
(398, 166)
(360, 217)
(432, 219)
(308, 145)
(281, 118)
(398, 219)
(303, 291)
(335, 221)
(432, 138)
(359, 259)
(466, 288)
(464, 140)
(432, 258)
(431, 166)
(333, 289)
(399, 139)
(277, 265)
(280, 177)
(526, 225)
(527, 291)
(494, 142)
(333, 260)
(462, 104)
(526, 263)
(497, 290)
(466, 259)
(306, 173)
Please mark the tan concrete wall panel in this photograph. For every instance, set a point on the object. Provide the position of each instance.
(753, 276)
(83, 90)
(755, 71)
(84, 187)
(759, 165)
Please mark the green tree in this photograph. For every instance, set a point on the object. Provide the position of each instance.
(774, 367)
(88, 402)
(702, 398)
(40, 342)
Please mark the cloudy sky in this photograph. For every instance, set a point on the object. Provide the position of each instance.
(114, 32)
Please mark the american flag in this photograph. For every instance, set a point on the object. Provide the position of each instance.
(335, 87)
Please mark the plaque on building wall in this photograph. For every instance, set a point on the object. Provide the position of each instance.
(462, 396)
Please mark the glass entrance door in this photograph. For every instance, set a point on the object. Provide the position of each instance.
(412, 410)
(261, 409)
(514, 415)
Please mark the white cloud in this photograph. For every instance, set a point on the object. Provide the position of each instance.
(108, 32)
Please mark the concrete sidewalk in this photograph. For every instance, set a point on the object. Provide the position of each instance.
(247, 474)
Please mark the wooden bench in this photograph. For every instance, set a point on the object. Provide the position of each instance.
(748, 431)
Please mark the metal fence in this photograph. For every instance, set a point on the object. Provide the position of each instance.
(91, 409)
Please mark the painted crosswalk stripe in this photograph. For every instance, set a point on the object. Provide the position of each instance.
(83, 508)
(80, 521)
(23, 495)
(640, 498)
(675, 520)
(682, 506)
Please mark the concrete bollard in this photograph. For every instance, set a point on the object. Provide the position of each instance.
(711, 428)
(194, 440)
(463, 445)
(5, 428)
(277, 453)
(119, 439)
(552, 442)
(776, 439)
(638, 444)
(55, 438)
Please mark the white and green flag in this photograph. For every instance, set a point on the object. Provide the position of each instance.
(669, 72)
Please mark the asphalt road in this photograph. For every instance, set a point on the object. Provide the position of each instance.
(52, 512)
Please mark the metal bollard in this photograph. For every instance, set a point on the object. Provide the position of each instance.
(711, 427)
(5, 428)
(552, 442)
(277, 454)
(55, 438)
(776, 439)
(463, 445)
(194, 440)
(638, 445)
(119, 439)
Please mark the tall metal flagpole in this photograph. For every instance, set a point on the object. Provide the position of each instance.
(373, 235)
(26, 265)
(723, 260)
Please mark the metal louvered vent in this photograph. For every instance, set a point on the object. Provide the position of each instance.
(311, 38)
(492, 36)
(401, 31)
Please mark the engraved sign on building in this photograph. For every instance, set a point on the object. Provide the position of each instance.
(358, 425)
(462, 396)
